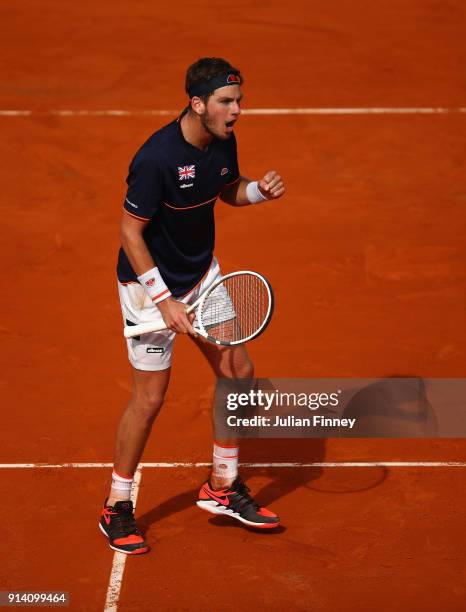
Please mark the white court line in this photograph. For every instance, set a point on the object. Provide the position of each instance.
(15, 113)
(247, 111)
(181, 464)
(353, 111)
(119, 559)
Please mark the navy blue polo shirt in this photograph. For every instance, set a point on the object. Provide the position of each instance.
(174, 185)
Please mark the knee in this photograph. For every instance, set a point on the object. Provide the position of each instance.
(242, 370)
(147, 405)
(247, 370)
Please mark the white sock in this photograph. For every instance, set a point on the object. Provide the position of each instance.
(121, 486)
(225, 462)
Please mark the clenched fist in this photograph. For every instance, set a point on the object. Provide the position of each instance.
(271, 186)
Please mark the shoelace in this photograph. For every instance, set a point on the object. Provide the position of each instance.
(124, 523)
(245, 499)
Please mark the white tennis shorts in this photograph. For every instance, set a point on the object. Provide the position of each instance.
(153, 351)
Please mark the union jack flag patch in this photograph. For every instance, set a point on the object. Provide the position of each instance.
(186, 172)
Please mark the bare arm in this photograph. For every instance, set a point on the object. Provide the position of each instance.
(132, 241)
(133, 244)
(271, 187)
(235, 194)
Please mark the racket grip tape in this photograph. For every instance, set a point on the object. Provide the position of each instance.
(142, 328)
(145, 328)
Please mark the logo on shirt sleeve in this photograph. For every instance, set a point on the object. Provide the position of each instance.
(224, 171)
(186, 172)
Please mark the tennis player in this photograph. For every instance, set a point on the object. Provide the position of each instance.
(165, 263)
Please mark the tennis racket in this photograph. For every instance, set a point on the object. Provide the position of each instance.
(234, 309)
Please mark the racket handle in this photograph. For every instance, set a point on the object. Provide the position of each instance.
(145, 328)
(142, 328)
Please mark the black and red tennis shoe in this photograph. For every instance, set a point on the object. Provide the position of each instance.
(119, 525)
(236, 502)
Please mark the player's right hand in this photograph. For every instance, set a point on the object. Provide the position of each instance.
(175, 317)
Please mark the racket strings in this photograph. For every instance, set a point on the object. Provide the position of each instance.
(236, 309)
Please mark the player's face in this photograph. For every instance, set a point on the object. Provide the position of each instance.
(222, 111)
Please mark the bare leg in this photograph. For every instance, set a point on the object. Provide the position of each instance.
(226, 362)
(147, 397)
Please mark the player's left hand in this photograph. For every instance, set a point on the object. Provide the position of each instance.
(271, 186)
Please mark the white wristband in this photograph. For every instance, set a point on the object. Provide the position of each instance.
(253, 193)
(153, 283)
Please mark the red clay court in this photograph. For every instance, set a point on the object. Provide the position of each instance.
(361, 107)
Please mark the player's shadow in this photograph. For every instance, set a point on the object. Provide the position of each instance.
(282, 481)
(166, 508)
(391, 405)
